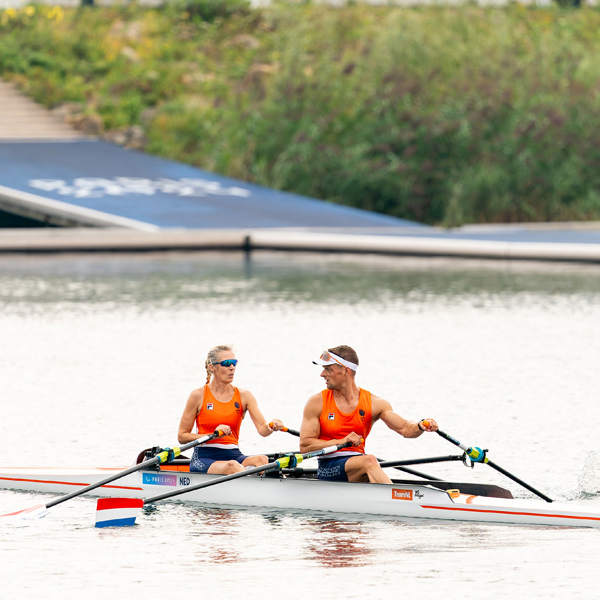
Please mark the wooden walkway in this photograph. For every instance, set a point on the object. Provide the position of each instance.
(22, 119)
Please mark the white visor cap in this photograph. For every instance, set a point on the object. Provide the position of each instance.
(329, 358)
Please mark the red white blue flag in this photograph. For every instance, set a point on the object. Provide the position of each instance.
(117, 512)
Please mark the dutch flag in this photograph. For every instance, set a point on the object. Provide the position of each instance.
(117, 512)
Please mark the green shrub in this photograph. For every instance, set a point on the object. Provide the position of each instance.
(208, 10)
(438, 114)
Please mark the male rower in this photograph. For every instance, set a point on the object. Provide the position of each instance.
(345, 413)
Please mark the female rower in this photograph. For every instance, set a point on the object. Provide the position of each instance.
(220, 405)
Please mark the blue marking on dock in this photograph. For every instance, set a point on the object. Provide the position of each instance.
(126, 183)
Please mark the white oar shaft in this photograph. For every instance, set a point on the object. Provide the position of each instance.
(162, 457)
(280, 463)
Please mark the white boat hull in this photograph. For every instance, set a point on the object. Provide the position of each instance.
(401, 500)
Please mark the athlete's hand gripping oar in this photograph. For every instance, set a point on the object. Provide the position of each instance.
(288, 430)
(127, 508)
(166, 456)
(479, 455)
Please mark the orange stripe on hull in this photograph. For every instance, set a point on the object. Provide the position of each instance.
(182, 468)
(510, 512)
(47, 481)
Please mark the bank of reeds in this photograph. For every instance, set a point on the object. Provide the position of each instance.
(436, 114)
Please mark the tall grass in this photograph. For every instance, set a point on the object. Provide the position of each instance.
(442, 115)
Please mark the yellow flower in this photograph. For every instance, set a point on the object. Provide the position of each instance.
(56, 14)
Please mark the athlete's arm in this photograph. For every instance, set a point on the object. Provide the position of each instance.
(310, 430)
(382, 409)
(188, 418)
(250, 404)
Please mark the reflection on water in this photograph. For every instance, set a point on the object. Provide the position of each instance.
(337, 544)
(172, 279)
(218, 530)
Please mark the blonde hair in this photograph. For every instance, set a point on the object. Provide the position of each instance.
(212, 356)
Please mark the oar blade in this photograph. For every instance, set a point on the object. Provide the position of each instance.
(117, 512)
(33, 512)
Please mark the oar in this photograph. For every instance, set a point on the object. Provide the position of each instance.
(419, 461)
(288, 430)
(126, 509)
(167, 455)
(399, 464)
(479, 455)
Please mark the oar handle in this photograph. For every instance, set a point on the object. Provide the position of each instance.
(287, 430)
(211, 436)
(280, 463)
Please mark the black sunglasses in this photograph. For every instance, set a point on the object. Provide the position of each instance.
(227, 363)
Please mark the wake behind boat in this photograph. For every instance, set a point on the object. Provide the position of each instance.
(297, 489)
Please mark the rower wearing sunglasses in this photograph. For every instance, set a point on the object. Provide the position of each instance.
(345, 413)
(220, 405)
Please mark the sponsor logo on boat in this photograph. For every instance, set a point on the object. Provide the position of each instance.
(209, 406)
(402, 494)
(159, 479)
(331, 416)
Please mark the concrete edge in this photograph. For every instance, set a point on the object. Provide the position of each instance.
(118, 240)
(511, 227)
(62, 214)
(122, 240)
(427, 246)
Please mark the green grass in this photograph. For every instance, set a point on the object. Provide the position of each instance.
(441, 115)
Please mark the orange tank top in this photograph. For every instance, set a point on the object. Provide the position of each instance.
(335, 424)
(213, 413)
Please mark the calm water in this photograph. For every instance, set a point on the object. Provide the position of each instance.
(99, 353)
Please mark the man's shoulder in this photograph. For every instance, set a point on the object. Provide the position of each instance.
(315, 401)
(379, 404)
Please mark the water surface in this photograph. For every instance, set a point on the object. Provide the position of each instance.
(99, 353)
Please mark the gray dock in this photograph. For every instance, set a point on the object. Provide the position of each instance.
(99, 197)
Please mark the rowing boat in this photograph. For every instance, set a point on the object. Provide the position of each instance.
(298, 490)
